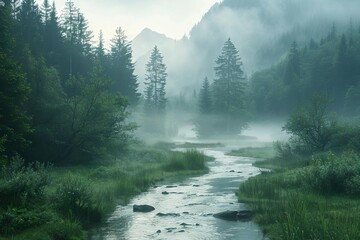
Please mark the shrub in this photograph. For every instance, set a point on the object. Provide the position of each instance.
(65, 229)
(336, 174)
(74, 198)
(15, 220)
(21, 186)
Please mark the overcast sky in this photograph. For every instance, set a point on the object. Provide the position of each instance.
(174, 18)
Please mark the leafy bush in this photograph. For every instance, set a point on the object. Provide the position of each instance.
(312, 128)
(74, 198)
(336, 174)
(14, 220)
(64, 230)
(21, 186)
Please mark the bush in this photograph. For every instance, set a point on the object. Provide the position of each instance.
(74, 198)
(21, 186)
(64, 230)
(336, 174)
(312, 128)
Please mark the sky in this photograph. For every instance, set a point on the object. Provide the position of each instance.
(174, 18)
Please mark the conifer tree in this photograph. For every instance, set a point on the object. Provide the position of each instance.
(229, 87)
(45, 11)
(155, 82)
(30, 26)
(204, 122)
(122, 67)
(205, 102)
(14, 92)
(292, 71)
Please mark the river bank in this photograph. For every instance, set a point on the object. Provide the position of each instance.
(184, 208)
(291, 201)
(66, 201)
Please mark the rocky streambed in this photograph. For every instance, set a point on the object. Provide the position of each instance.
(190, 209)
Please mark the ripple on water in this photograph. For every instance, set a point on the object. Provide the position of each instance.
(186, 211)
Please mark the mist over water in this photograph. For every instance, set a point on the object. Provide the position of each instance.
(188, 206)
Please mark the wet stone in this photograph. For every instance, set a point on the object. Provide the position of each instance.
(143, 208)
(181, 231)
(168, 214)
(184, 224)
(170, 186)
(158, 231)
(243, 215)
(165, 193)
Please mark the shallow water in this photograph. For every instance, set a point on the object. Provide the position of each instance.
(190, 205)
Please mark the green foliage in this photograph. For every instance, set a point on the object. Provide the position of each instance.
(122, 67)
(254, 152)
(22, 186)
(155, 82)
(14, 92)
(95, 119)
(286, 210)
(190, 160)
(328, 67)
(203, 123)
(312, 128)
(155, 94)
(228, 90)
(336, 174)
(74, 198)
(205, 102)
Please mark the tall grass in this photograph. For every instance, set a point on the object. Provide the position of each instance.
(58, 203)
(288, 208)
(190, 160)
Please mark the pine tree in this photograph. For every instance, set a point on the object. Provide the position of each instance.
(204, 122)
(14, 92)
(155, 82)
(83, 35)
(69, 21)
(229, 86)
(205, 102)
(45, 11)
(53, 47)
(30, 26)
(100, 50)
(122, 67)
(78, 40)
(292, 71)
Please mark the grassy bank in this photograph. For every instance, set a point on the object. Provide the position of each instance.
(254, 152)
(318, 200)
(40, 202)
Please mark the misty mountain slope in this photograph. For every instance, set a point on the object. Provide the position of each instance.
(262, 31)
(145, 41)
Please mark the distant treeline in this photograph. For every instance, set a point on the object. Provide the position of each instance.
(330, 66)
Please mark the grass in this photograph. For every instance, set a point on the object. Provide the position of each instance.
(254, 152)
(288, 207)
(200, 145)
(76, 198)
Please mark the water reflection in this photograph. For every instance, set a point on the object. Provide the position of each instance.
(188, 207)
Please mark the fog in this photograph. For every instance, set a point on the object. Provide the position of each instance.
(262, 31)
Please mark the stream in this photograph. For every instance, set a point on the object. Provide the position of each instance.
(188, 205)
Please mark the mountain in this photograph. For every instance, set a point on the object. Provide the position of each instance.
(262, 31)
(145, 41)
